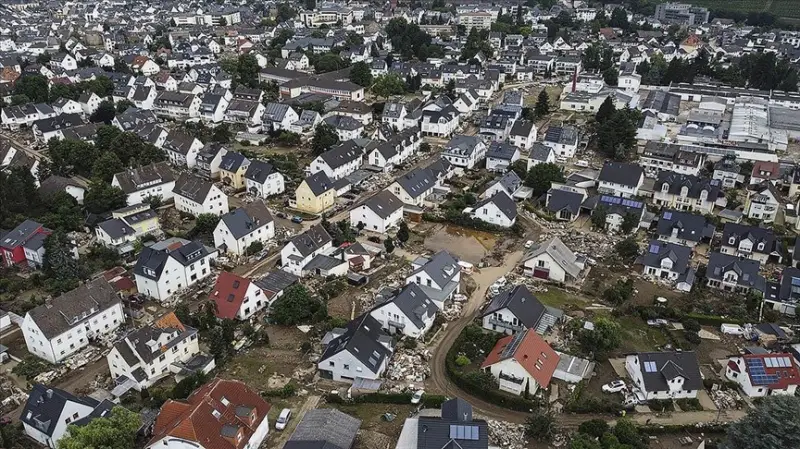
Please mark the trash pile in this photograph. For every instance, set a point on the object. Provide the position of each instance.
(725, 399)
(452, 310)
(506, 435)
(409, 364)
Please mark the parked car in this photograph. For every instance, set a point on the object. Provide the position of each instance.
(281, 215)
(283, 419)
(417, 396)
(614, 387)
(297, 219)
(528, 244)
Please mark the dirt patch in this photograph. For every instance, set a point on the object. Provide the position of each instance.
(466, 244)
(371, 416)
(255, 365)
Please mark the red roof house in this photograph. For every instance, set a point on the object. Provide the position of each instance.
(522, 361)
(764, 374)
(237, 297)
(222, 414)
(29, 234)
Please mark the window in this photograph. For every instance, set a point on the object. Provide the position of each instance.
(346, 366)
(331, 364)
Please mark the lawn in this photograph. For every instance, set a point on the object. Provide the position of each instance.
(560, 299)
(638, 336)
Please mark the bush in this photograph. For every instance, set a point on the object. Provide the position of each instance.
(689, 404)
(31, 366)
(658, 405)
(712, 320)
(462, 360)
(594, 427)
(692, 337)
(286, 391)
(691, 325)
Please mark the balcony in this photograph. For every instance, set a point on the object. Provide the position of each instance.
(505, 325)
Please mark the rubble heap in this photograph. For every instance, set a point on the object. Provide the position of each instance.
(409, 365)
(506, 435)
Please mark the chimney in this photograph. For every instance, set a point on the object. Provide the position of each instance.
(49, 393)
(48, 303)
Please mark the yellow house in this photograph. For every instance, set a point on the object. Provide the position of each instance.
(232, 168)
(140, 217)
(315, 194)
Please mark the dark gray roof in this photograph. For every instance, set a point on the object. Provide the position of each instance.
(138, 178)
(258, 171)
(412, 301)
(344, 122)
(503, 202)
(247, 219)
(341, 154)
(501, 150)
(362, 338)
(276, 281)
(44, 407)
(539, 152)
(323, 262)
(189, 252)
(384, 203)
(756, 235)
(663, 102)
(418, 181)
(137, 342)
(150, 263)
(462, 145)
(456, 429)
(675, 183)
(747, 270)
(669, 365)
(151, 260)
(324, 428)
(510, 181)
(66, 311)
(790, 285)
(441, 268)
(21, 234)
(319, 183)
(315, 238)
(116, 228)
(566, 135)
(232, 161)
(521, 302)
(626, 174)
(55, 183)
(192, 187)
(657, 251)
(691, 227)
(558, 200)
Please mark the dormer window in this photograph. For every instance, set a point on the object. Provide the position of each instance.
(761, 246)
(665, 187)
(732, 241)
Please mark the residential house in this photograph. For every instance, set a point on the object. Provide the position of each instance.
(54, 184)
(394, 114)
(455, 428)
(176, 105)
(395, 150)
(302, 248)
(668, 262)
(126, 226)
(730, 273)
(684, 228)
(522, 363)
(212, 108)
(64, 325)
(619, 211)
(361, 350)
(324, 428)
(237, 298)
(500, 156)
(338, 161)
(523, 134)
(182, 148)
(498, 210)
(379, 213)
(154, 180)
(315, 194)
(552, 260)
(439, 123)
(750, 242)
(415, 186)
(222, 414)
(208, 160)
(262, 179)
(89, 102)
(240, 228)
(347, 128)
(687, 192)
(763, 203)
(562, 139)
(769, 374)
(169, 266)
(620, 179)
(765, 171)
(153, 352)
(509, 183)
(540, 154)
(464, 151)
(195, 196)
(438, 276)
(564, 204)
(407, 311)
(278, 116)
(24, 244)
(665, 375)
(728, 172)
(515, 310)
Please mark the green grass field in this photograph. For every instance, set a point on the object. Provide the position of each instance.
(780, 8)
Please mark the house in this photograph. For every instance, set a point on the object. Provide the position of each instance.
(169, 266)
(438, 276)
(324, 428)
(195, 196)
(361, 350)
(407, 311)
(730, 273)
(64, 325)
(728, 172)
(563, 140)
(154, 180)
(413, 187)
(441, 123)
(767, 374)
(153, 352)
(455, 428)
(222, 414)
(54, 184)
(522, 363)
(750, 242)
(620, 179)
(464, 151)
(509, 183)
(552, 260)
(684, 228)
(540, 154)
(315, 194)
(237, 297)
(617, 210)
(379, 213)
(302, 248)
(176, 105)
(22, 244)
(232, 169)
(338, 161)
(500, 156)
(126, 226)
(498, 210)
(765, 171)
(687, 192)
(49, 411)
(668, 262)
(395, 150)
(89, 102)
(240, 228)
(516, 310)
(763, 203)
(665, 375)
(523, 134)
(564, 204)
(394, 114)
(262, 180)
(208, 160)
(278, 116)
(182, 148)
(347, 128)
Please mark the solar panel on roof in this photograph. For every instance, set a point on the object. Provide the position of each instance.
(667, 215)
(768, 362)
(458, 432)
(654, 249)
(796, 282)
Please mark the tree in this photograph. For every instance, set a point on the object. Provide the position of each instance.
(115, 431)
(599, 215)
(628, 434)
(483, 380)
(541, 425)
(102, 197)
(254, 248)
(35, 87)
(204, 225)
(361, 74)
(403, 232)
(60, 268)
(541, 176)
(63, 212)
(594, 427)
(772, 423)
(325, 136)
(611, 76)
(616, 137)
(619, 19)
(584, 441)
(691, 325)
(285, 12)
(311, 4)
(388, 244)
(183, 313)
(627, 248)
(385, 86)
(620, 292)
(606, 336)
(630, 222)
(106, 166)
(605, 111)
(353, 39)
(542, 107)
(68, 157)
(123, 105)
(329, 62)
(296, 306)
(451, 88)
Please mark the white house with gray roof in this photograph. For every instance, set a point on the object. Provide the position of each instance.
(562, 139)
(242, 227)
(278, 116)
(731, 273)
(665, 375)
(170, 266)
(49, 411)
(64, 325)
(517, 309)
(498, 210)
(361, 350)
(302, 248)
(195, 196)
(338, 161)
(523, 134)
(464, 151)
(668, 262)
(379, 213)
(154, 180)
(552, 260)
(540, 154)
(262, 180)
(406, 311)
(438, 276)
(413, 187)
(501, 155)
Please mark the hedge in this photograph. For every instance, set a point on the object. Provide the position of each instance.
(428, 400)
(652, 429)
(712, 320)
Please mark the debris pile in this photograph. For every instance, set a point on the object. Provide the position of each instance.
(452, 310)
(409, 364)
(506, 435)
(725, 399)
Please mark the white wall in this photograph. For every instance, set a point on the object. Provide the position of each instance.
(557, 273)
